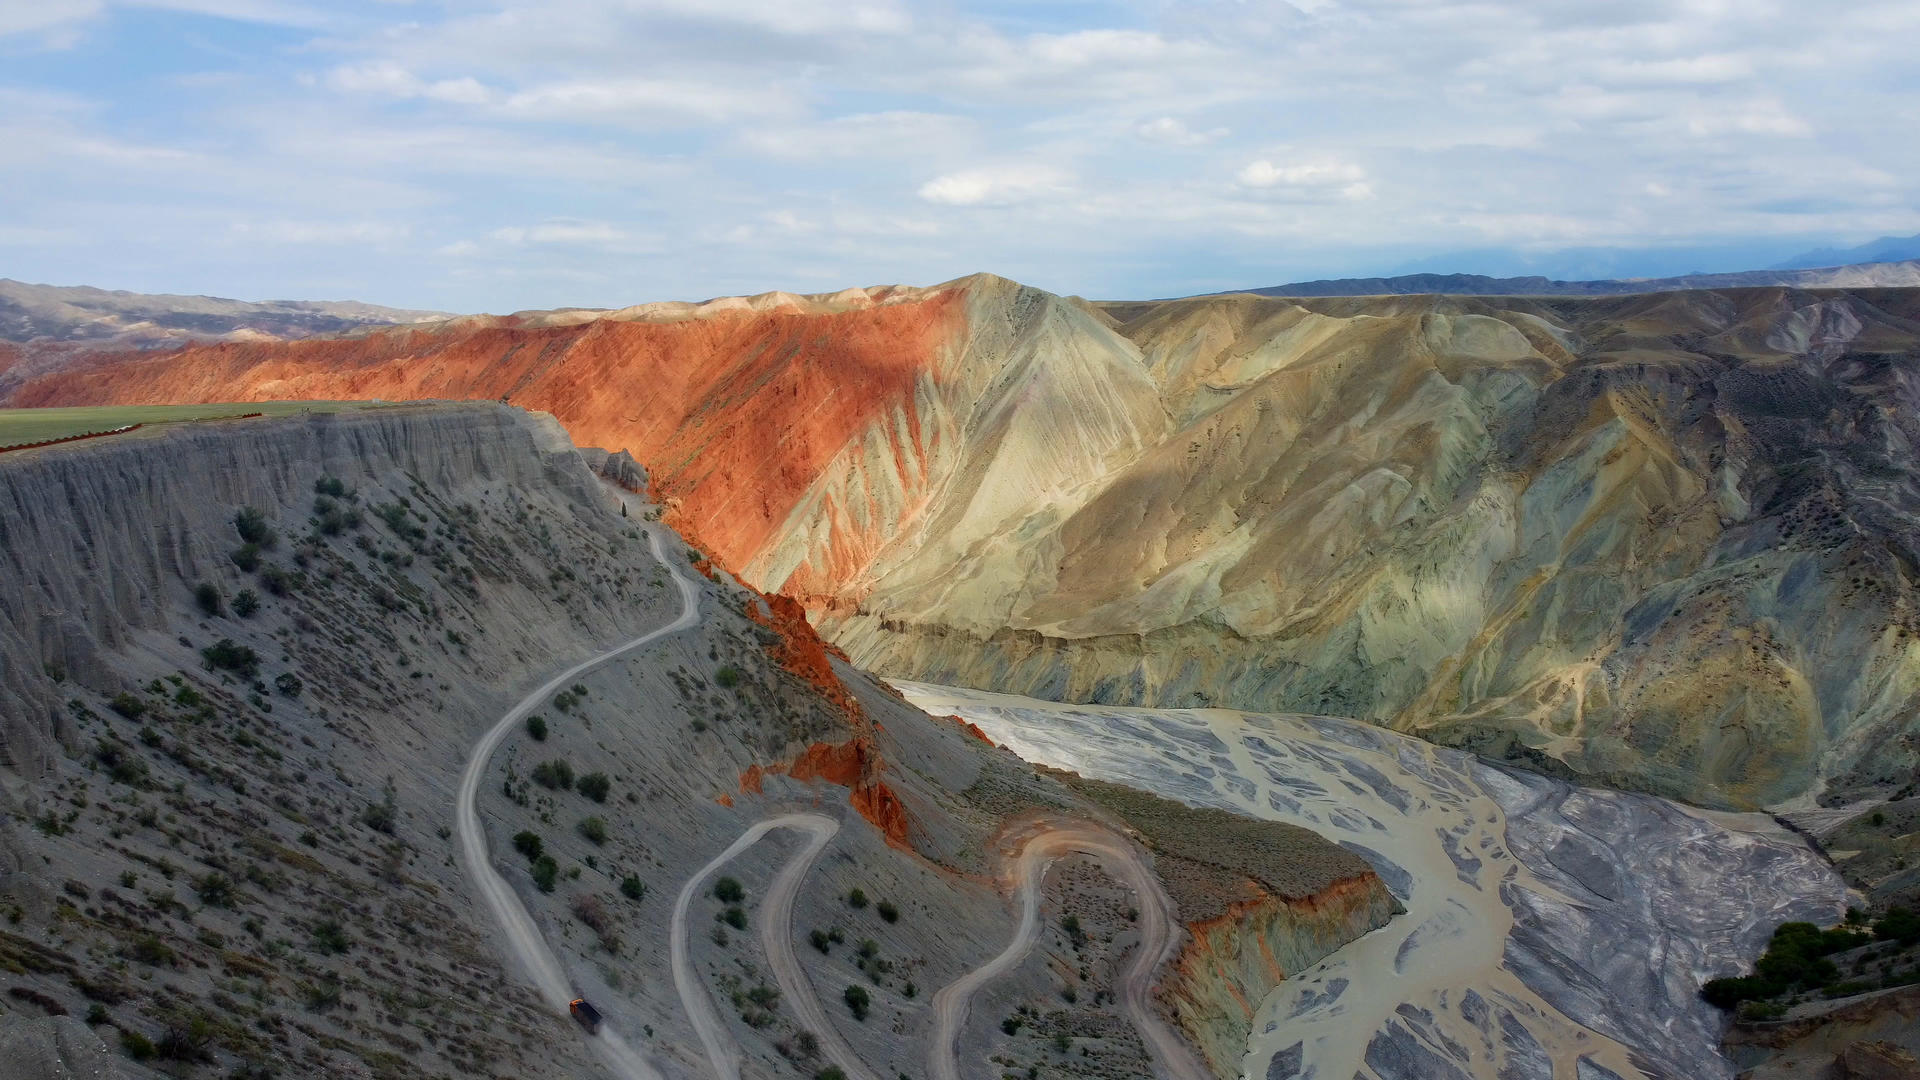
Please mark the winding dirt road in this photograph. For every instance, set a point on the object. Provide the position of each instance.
(1159, 938)
(776, 936)
(520, 935)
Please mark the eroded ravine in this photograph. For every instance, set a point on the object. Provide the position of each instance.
(1550, 930)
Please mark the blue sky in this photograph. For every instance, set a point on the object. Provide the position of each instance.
(521, 154)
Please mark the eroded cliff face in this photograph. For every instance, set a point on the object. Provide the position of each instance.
(1233, 961)
(1664, 541)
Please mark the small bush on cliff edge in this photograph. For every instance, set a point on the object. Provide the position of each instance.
(207, 595)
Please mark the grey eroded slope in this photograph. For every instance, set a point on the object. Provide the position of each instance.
(225, 831)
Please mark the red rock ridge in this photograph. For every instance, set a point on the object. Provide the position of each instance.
(734, 414)
(1231, 962)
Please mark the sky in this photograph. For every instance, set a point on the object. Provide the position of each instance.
(521, 154)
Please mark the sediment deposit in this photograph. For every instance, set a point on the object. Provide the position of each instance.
(1550, 930)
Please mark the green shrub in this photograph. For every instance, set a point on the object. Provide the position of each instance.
(226, 655)
(330, 937)
(830, 1072)
(595, 786)
(858, 1001)
(728, 891)
(152, 951)
(137, 1046)
(537, 727)
(330, 485)
(278, 581)
(819, 940)
(553, 775)
(887, 911)
(215, 890)
(207, 595)
(1898, 924)
(252, 526)
(632, 887)
(245, 603)
(545, 871)
(857, 899)
(728, 677)
(246, 557)
(288, 683)
(594, 829)
(528, 844)
(128, 705)
(735, 917)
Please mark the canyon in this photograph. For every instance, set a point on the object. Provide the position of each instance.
(1662, 542)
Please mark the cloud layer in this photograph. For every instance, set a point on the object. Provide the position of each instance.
(520, 154)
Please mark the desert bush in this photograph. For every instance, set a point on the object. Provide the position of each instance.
(819, 940)
(245, 603)
(858, 1001)
(728, 891)
(545, 872)
(227, 655)
(330, 937)
(887, 911)
(288, 683)
(252, 526)
(735, 917)
(537, 727)
(207, 595)
(246, 557)
(588, 909)
(632, 887)
(278, 581)
(857, 899)
(595, 786)
(594, 829)
(330, 485)
(137, 1046)
(215, 890)
(528, 844)
(728, 677)
(553, 775)
(128, 705)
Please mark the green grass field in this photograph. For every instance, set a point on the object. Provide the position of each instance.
(34, 425)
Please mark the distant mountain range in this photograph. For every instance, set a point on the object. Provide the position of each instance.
(82, 315)
(1901, 274)
(1884, 250)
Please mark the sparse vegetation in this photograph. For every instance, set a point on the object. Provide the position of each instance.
(207, 595)
(554, 775)
(858, 1001)
(227, 655)
(537, 728)
(252, 526)
(245, 603)
(545, 873)
(728, 891)
(887, 911)
(594, 829)
(528, 844)
(857, 899)
(727, 677)
(595, 786)
(632, 887)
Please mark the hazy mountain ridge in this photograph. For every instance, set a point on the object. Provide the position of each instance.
(1902, 272)
(48, 314)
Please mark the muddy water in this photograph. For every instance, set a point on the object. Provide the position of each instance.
(1551, 930)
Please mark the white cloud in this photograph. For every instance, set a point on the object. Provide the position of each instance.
(54, 18)
(899, 133)
(1308, 174)
(1000, 186)
(578, 233)
(647, 102)
(1168, 130)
